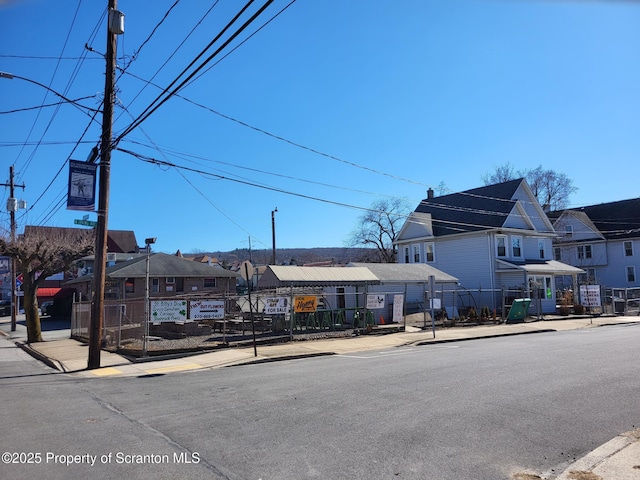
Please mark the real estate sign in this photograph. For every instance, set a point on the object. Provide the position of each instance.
(168, 311)
(206, 309)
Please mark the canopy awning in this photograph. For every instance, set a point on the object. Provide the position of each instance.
(549, 267)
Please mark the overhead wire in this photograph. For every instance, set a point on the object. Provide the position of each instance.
(22, 171)
(160, 100)
(125, 69)
(188, 156)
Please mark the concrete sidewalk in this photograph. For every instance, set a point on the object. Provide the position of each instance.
(618, 459)
(71, 356)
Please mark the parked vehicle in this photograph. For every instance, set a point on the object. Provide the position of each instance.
(5, 308)
(46, 308)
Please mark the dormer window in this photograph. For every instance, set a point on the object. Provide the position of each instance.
(568, 231)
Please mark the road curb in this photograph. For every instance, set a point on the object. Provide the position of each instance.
(56, 365)
(282, 358)
(419, 343)
(596, 457)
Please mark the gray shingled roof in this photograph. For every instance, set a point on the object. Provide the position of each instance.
(472, 210)
(163, 265)
(615, 220)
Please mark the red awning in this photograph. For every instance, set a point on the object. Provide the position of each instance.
(48, 291)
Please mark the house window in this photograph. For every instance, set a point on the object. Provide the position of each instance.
(628, 249)
(429, 249)
(416, 253)
(568, 231)
(557, 254)
(540, 286)
(170, 280)
(501, 246)
(516, 247)
(129, 285)
(406, 254)
(631, 274)
(584, 251)
(541, 249)
(155, 285)
(210, 282)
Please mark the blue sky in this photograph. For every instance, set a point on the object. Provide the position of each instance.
(370, 99)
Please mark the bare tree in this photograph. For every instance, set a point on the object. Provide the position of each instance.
(552, 189)
(502, 173)
(40, 252)
(379, 227)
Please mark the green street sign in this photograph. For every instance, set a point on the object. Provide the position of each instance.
(87, 223)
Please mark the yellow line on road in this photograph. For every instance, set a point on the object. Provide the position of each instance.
(104, 372)
(174, 368)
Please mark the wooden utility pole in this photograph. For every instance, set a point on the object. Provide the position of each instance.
(97, 305)
(12, 206)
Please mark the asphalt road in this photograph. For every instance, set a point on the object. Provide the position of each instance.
(483, 409)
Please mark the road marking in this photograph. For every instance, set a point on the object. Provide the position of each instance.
(174, 368)
(104, 372)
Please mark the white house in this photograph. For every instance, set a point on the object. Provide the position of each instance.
(603, 240)
(491, 238)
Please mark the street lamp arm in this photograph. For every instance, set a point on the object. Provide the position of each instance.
(11, 76)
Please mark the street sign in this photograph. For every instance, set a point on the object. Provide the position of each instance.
(87, 223)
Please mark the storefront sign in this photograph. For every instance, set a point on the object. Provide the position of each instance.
(375, 301)
(398, 307)
(168, 311)
(305, 304)
(590, 295)
(276, 305)
(206, 310)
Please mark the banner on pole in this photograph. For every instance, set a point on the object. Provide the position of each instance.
(82, 186)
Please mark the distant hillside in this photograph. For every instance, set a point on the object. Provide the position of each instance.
(295, 256)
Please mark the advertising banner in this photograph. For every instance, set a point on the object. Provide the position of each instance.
(306, 304)
(168, 311)
(590, 295)
(82, 186)
(398, 307)
(375, 301)
(206, 309)
(276, 305)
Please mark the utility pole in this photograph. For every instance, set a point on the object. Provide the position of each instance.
(273, 235)
(97, 305)
(12, 206)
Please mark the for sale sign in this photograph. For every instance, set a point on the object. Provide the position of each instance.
(276, 305)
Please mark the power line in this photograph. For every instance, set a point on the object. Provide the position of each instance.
(159, 101)
(286, 140)
(124, 70)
